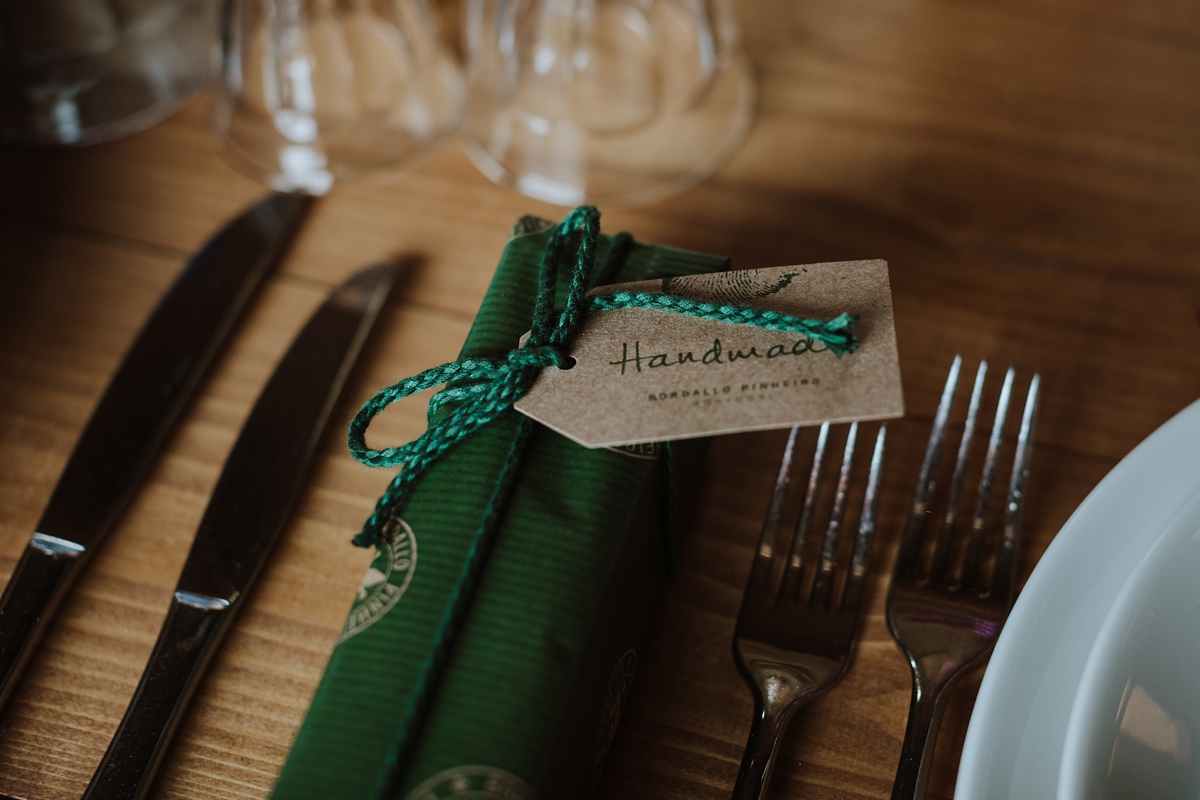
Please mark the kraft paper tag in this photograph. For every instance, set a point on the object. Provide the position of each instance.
(634, 380)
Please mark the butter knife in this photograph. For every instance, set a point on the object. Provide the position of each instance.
(249, 506)
(133, 418)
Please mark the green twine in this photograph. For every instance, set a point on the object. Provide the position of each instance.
(836, 334)
(424, 693)
(486, 388)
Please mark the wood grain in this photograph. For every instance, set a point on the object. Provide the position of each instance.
(1029, 170)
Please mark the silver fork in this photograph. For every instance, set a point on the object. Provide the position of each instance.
(943, 624)
(790, 648)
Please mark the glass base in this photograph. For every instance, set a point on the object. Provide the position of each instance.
(105, 114)
(253, 139)
(85, 92)
(557, 161)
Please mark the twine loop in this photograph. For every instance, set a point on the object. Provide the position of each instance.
(546, 355)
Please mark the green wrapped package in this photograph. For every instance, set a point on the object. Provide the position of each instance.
(531, 699)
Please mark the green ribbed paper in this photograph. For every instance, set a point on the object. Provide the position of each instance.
(537, 678)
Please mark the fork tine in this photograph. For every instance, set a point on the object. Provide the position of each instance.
(794, 574)
(983, 501)
(1004, 572)
(823, 583)
(787, 653)
(941, 554)
(917, 522)
(856, 577)
(760, 571)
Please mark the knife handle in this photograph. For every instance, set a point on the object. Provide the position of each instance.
(43, 575)
(187, 640)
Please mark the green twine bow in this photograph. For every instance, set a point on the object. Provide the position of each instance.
(493, 385)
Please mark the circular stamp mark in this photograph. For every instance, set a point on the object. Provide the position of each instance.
(473, 783)
(386, 580)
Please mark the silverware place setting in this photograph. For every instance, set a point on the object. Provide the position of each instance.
(947, 602)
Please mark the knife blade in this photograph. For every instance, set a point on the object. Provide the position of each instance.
(248, 508)
(134, 416)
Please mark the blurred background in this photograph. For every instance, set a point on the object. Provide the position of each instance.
(1030, 170)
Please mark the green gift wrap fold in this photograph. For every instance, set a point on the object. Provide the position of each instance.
(531, 699)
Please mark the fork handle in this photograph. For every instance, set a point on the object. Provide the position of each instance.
(766, 731)
(920, 737)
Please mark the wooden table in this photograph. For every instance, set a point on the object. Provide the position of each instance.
(1031, 171)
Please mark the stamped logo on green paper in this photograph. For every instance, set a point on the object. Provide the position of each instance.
(386, 579)
(649, 451)
(473, 783)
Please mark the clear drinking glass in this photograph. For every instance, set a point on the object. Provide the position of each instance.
(606, 101)
(84, 71)
(314, 92)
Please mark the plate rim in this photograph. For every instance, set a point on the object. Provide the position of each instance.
(1179, 533)
(1039, 658)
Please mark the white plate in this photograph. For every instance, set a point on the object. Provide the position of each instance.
(1014, 742)
(1136, 716)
